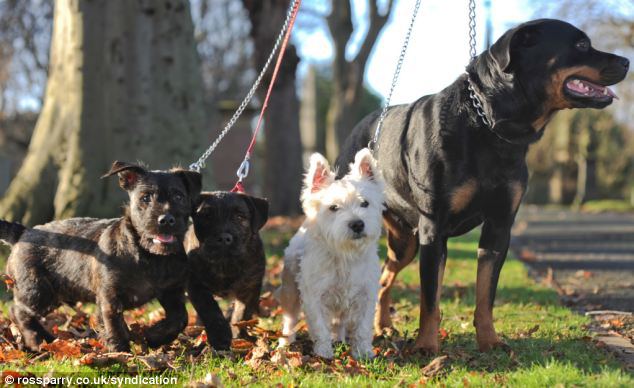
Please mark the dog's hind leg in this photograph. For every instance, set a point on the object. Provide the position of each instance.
(29, 324)
(402, 245)
(167, 329)
(433, 257)
(290, 303)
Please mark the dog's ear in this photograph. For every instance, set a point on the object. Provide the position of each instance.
(259, 209)
(193, 183)
(129, 174)
(319, 175)
(365, 165)
(503, 50)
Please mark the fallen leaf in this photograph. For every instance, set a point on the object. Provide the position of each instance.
(11, 355)
(61, 349)
(436, 367)
(8, 281)
(245, 324)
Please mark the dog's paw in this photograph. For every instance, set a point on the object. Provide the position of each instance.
(284, 342)
(220, 342)
(323, 349)
(118, 346)
(363, 353)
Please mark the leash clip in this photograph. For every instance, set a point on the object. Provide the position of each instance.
(243, 170)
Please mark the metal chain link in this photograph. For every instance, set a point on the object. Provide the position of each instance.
(477, 104)
(472, 29)
(397, 72)
(200, 163)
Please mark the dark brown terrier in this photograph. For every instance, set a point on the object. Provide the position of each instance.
(118, 263)
(226, 258)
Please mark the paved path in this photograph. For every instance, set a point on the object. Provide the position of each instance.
(591, 255)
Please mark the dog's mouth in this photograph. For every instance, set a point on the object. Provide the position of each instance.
(165, 239)
(358, 235)
(589, 91)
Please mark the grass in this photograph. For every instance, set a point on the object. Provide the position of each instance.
(551, 346)
(607, 205)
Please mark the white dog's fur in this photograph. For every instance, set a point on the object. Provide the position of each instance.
(333, 270)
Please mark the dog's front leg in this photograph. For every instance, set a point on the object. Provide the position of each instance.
(216, 326)
(360, 322)
(493, 246)
(167, 329)
(115, 331)
(433, 256)
(319, 325)
(245, 307)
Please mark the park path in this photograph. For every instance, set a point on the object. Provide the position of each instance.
(589, 260)
(591, 256)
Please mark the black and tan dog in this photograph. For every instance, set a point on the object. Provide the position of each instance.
(450, 167)
(226, 259)
(118, 263)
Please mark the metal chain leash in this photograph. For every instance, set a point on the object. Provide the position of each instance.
(472, 29)
(200, 163)
(473, 95)
(397, 72)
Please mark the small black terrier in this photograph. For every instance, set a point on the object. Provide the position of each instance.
(118, 263)
(226, 258)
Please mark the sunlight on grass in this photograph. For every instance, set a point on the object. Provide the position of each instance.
(550, 343)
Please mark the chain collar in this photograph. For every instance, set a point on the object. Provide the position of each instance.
(479, 109)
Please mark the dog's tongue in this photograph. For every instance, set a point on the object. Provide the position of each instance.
(164, 238)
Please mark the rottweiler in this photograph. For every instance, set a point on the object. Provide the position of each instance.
(457, 159)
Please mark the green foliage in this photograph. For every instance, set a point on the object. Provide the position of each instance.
(592, 136)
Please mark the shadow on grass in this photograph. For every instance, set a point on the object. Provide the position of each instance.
(524, 354)
(466, 295)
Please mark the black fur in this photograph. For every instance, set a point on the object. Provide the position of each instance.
(117, 263)
(437, 150)
(226, 258)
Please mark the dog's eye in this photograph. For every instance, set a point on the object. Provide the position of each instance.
(333, 208)
(178, 197)
(365, 203)
(146, 198)
(582, 45)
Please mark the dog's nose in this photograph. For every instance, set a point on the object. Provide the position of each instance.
(166, 219)
(625, 62)
(356, 226)
(225, 238)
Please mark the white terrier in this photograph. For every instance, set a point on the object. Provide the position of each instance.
(332, 261)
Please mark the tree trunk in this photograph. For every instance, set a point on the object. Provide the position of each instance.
(124, 83)
(348, 75)
(283, 146)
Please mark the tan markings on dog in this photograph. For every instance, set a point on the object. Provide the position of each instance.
(517, 192)
(393, 265)
(551, 61)
(483, 317)
(555, 98)
(462, 195)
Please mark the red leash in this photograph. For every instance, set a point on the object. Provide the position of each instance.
(243, 171)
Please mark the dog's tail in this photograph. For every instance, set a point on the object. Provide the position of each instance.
(10, 232)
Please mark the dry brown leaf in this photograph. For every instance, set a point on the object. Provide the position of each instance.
(245, 324)
(436, 367)
(61, 349)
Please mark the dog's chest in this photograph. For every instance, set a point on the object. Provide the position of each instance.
(150, 279)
